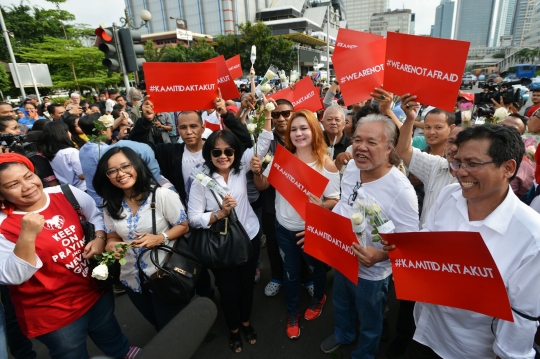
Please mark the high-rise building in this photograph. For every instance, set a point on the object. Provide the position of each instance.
(532, 37)
(475, 20)
(521, 24)
(502, 25)
(444, 19)
(401, 20)
(359, 12)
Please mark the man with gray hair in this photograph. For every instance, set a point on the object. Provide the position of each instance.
(334, 131)
(372, 174)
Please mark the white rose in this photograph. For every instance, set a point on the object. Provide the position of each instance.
(282, 77)
(269, 107)
(466, 116)
(251, 118)
(269, 75)
(200, 177)
(357, 219)
(101, 272)
(500, 114)
(106, 120)
(266, 88)
(267, 158)
(530, 150)
(251, 128)
(373, 209)
(293, 78)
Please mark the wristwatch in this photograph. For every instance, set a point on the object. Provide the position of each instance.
(215, 216)
(166, 239)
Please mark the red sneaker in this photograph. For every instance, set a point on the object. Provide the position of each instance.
(315, 308)
(293, 326)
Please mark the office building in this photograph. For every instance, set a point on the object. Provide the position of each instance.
(401, 20)
(359, 12)
(444, 19)
(532, 37)
(521, 24)
(475, 21)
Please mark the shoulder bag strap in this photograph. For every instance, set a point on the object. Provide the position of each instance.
(72, 200)
(153, 207)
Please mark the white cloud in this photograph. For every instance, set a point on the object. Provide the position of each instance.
(424, 10)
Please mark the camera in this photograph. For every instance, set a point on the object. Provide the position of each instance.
(19, 144)
(485, 110)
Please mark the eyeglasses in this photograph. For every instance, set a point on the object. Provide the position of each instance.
(353, 196)
(216, 152)
(113, 172)
(275, 114)
(467, 166)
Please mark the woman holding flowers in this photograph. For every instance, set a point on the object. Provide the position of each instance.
(125, 183)
(44, 259)
(226, 162)
(304, 138)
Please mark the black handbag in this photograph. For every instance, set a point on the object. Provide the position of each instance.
(225, 244)
(174, 281)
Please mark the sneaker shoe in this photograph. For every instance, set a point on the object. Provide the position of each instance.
(309, 287)
(119, 289)
(315, 308)
(257, 276)
(293, 326)
(272, 288)
(330, 344)
(132, 353)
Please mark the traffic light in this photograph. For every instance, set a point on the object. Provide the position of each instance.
(108, 47)
(130, 50)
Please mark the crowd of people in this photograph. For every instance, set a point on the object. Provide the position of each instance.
(429, 170)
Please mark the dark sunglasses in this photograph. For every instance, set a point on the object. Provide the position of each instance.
(276, 114)
(217, 152)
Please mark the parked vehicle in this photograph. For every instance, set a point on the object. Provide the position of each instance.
(535, 84)
(467, 81)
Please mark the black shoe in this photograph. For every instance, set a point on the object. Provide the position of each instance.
(250, 334)
(235, 342)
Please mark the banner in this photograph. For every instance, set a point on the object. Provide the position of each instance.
(453, 269)
(427, 67)
(234, 66)
(306, 96)
(181, 86)
(294, 180)
(352, 39)
(224, 79)
(329, 238)
(286, 94)
(360, 70)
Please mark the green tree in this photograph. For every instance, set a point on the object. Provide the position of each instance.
(200, 51)
(5, 81)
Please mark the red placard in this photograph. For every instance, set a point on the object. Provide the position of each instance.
(434, 76)
(286, 94)
(181, 86)
(329, 238)
(360, 70)
(453, 269)
(234, 66)
(352, 39)
(224, 79)
(306, 96)
(294, 180)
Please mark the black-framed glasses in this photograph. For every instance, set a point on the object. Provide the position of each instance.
(216, 152)
(125, 168)
(275, 114)
(353, 195)
(467, 166)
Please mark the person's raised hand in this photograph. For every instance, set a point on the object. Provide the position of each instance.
(410, 106)
(32, 223)
(219, 104)
(384, 98)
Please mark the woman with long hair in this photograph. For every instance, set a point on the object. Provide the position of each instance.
(226, 162)
(304, 138)
(125, 183)
(58, 148)
(77, 135)
(44, 259)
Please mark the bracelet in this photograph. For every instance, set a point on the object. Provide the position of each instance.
(104, 238)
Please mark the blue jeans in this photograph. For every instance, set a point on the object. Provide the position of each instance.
(366, 301)
(99, 323)
(292, 254)
(3, 345)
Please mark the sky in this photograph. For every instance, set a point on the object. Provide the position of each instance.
(109, 11)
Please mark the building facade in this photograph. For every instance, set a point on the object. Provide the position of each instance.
(521, 24)
(475, 20)
(359, 12)
(444, 19)
(401, 20)
(532, 37)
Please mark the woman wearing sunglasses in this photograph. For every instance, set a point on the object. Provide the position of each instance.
(305, 140)
(227, 163)
(125, 183)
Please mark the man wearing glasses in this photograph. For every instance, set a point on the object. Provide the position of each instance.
(487, 160)
(372, 173)
(334, 131)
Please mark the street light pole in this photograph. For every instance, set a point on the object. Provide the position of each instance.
(328, 45)
(11, 55)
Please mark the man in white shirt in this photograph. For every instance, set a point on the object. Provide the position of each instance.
(488, 159)
(109, 104)
(372, 175)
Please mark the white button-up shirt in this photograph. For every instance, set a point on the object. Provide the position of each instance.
(512, 234)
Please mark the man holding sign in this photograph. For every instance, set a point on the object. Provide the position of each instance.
(372, 174)
(487, 160)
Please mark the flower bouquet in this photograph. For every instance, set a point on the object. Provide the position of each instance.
(358, 220)
(107, 259)
(257, 123)
(378, 219)
(264, 86)
(293, 76)
(466, 114)
(199, 175)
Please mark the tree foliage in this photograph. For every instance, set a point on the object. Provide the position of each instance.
(198, 51)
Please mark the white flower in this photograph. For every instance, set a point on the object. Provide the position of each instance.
(282, 77)
(267, 158)
(101, 272)
(200, 177)
(500, 114)
(530, 150)
(253, 51)
(373, 209)
(251, 127)
(270, 75)
(293, 78)
(269, 107)
(266, 88)
(251, 118)
(357, 219)
(466, 116)
(106, 120)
